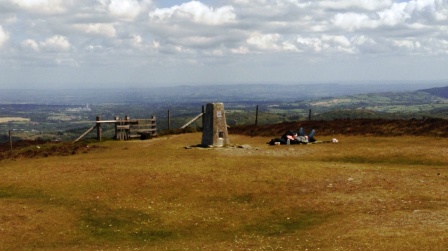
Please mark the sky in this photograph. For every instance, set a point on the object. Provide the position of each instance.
(146, 43)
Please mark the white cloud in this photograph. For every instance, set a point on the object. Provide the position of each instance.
(4, 36)
(56, 43)
(397, 14)
(412, 14)
(297, 3)
(289, 46)
(194, 28)
(369, 5)
(93, 48)
(353, 21)
(264, 41)
(363, 40)
(339, 44)
(41, 6)
(310, 43)
(126, 9)
(428, 10)
(339, 40)
(103, 29)
(66, 62)
(30, 44)
(325, 44)
(240, 50)
(407, 44)
(136, 41)
(155, 44)
(132, 33)
(195, 12)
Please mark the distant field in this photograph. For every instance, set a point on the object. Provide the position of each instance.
(10, 119)
(364, 193)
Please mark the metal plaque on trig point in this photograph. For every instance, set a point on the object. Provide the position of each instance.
(218, 114)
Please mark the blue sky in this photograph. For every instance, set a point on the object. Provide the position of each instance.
(144, 43)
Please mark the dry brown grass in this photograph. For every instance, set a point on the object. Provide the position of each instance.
(364, 193)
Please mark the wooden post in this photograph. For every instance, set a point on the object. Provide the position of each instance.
(98, 128)
(153, 126)
(256, 116)
(84, 134)
(193, 120)
(116, 124)
(10, 139)
(128, 131)
(169, 120)
(309, 116)
(203, 112)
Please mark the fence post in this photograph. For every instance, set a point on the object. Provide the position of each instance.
(309, 115)
(10, 139)
(203, 113)
(98, 128)
(116, 125)
(127, 131)
(169, 120)
(153, 126)
(256, 116)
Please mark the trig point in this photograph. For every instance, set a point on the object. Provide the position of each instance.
(214, 132)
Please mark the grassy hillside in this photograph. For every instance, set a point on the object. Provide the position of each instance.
(364, 193)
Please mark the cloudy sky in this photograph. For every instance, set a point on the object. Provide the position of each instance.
(138, 43)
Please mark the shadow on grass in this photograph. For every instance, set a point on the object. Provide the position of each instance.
(101, 224)
(118, 225)
(98, 222)
(279, 224)
(11, 192)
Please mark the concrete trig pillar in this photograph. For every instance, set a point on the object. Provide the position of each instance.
(214, 131)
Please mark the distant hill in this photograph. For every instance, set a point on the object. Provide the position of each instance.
(391, 105)
(196, 94)
(441, 92)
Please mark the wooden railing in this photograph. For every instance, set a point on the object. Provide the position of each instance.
(126, 128)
